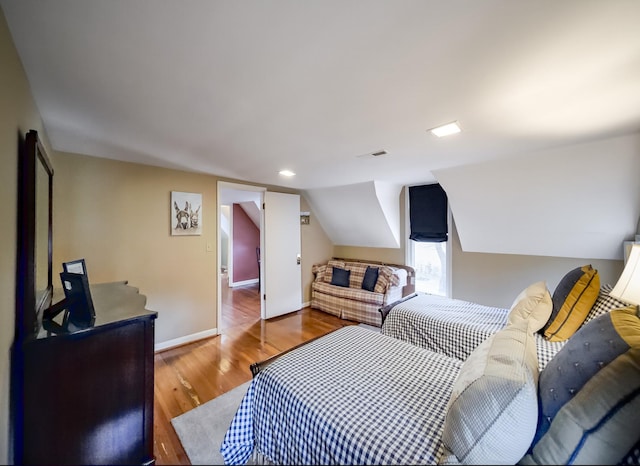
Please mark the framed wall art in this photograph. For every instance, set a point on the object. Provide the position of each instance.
(186, 213)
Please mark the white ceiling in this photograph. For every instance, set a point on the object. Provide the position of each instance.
(243, 89)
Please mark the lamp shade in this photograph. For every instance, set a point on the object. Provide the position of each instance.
(628, 287)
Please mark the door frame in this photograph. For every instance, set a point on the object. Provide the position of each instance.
(240, 187)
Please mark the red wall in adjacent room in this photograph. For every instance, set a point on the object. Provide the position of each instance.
(246, 238)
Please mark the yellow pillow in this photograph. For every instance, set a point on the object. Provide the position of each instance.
(572, 299)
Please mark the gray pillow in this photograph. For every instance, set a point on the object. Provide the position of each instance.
(589, 395)
(493, 409)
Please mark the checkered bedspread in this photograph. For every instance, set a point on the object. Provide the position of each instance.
(351, 397)
(453, 327)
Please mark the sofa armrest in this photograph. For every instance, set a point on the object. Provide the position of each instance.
(318, 271)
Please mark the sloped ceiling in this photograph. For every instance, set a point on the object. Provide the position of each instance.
(244, 89)
(362, 214)
(579, 201)
(252, 210)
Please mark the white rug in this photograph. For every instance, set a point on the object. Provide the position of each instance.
(202, 429)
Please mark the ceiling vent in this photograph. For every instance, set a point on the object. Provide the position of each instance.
(379, 153)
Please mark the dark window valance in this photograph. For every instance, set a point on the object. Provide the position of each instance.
(428, 213)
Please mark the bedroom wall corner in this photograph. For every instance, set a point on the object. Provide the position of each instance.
(316, 247)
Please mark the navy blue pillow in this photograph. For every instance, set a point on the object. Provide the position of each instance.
(340, 277)
(370, 278)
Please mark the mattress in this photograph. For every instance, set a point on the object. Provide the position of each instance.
(453, 327)
(353, 396)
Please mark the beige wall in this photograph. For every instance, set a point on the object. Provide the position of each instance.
(388, 255)
(18, 114)
(117, 215)
(316, 248)
(496, 279)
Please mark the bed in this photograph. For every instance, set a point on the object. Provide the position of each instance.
(356, 396)
(365, 399)
(451, 326)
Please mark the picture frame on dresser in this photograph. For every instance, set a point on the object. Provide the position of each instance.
(75, 266)
(79, 303)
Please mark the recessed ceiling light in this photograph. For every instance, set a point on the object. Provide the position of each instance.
(287, 173)
(446, 130)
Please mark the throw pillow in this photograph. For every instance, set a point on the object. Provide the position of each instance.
(370, 278)
(589, 395)
(494, 399)
(340, 277)
(384, 279)
(532, 304)
(328, 275)
(573, 298)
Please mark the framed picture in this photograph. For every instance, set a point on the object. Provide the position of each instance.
(186, 213)
(76, 266)
(78, 298)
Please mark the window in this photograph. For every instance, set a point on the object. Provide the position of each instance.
(430, 262)
(429, 251)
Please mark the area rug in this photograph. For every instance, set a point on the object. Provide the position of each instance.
(370, 327)
(202, 429)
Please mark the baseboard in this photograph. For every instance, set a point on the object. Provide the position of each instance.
(165, 345)
(307, 304)
(243, 283)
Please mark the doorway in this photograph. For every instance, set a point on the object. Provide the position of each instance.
(239, 239)
(279, 262)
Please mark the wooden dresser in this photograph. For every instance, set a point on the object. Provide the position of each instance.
(88, 392)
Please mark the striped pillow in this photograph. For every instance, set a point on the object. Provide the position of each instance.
(573, 298)
(494, 398)
(589, 395)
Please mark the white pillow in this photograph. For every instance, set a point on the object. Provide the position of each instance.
(534, 304)
(493, 410)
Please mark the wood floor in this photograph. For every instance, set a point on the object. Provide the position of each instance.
(190, 375)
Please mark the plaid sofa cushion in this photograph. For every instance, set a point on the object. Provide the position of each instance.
(356, 294)
(357, 274)
(384, 280)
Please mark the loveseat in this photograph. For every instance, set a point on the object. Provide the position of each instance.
(355, 289)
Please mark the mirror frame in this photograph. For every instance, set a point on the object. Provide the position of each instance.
(28, 309)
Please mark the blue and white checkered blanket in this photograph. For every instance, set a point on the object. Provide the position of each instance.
(351, 397)
(452, 326)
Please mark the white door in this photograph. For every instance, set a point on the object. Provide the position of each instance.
(282, 285)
